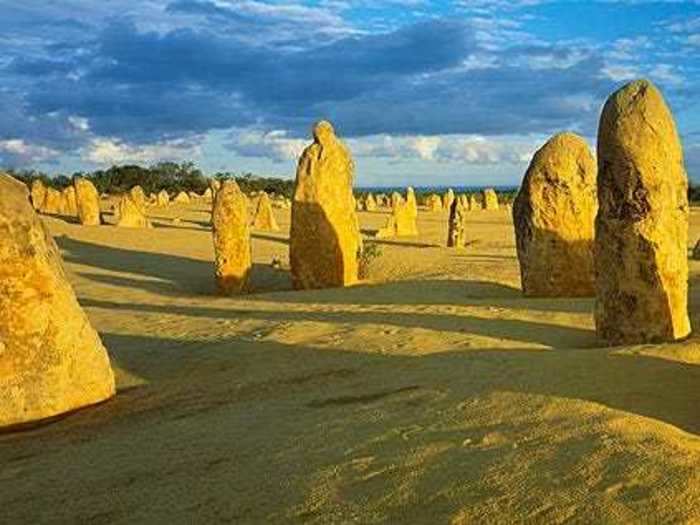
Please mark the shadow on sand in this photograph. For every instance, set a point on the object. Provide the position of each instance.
(327, 379)
(165, 274)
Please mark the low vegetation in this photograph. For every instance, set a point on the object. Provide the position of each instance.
(170, 176)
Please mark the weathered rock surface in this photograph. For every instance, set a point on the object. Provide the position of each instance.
(370, 202)
(474, 204)
(325, 237)
(51, 360)
(448, 199)
(38, 194)
(264, 218)
(490, 199)
(70, 203)
(464, 202)
(233, 258)
(412, 202)
(182, 198)
(457, 227)
(642, 222)
(162, 199)
(434, 202)
(402, 221)
(138, 196)
(53, 202)
(131, 215)
(554, 214)
(88, 202)
(208, 195)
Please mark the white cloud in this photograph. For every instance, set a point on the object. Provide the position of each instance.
(18, 152)
(275, 144)
(79, 123)
(466, 149)
(109, 151)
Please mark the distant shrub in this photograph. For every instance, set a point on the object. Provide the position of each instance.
(172, 177)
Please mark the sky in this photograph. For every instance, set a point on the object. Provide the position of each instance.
(423, 92)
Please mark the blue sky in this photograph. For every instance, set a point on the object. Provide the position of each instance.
(424, 92)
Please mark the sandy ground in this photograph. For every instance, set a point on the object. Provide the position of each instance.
(434, 393)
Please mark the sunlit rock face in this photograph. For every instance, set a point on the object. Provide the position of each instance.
(88, 202)
(457, 227)
(325, 236)
(553, 215)
(642, 223)
(131, 214)
(51, 359)
(490, 199)
(38, 194)
(264, 219)
(70, 202)
(233, 258)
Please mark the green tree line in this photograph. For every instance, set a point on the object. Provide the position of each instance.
(170, 176)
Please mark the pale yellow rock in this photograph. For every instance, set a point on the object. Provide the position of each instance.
(70, 203)
(325, 238)
(464, 202)
(231, 234)
(182, 198)
(490, 199)
(138, 196)
(53, 202)
(457, 228)
(194, 197)
(401, 222)
(88, 202)
(370, 202)
(264, 219)
(448, 199)
(474, 204)
(162, 199)
(553, 216)
(412, 203)
(434, 202)
(51, 360)
(130, 214)
(396, 199)
(38, 194)
(642, 223)
(208, 195)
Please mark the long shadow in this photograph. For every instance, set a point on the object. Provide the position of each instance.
(554, 336)
(241, 410)
(401, 242)
(642, 385)
(175, 273)
(182, 226)
(263, 278)
(435, 292)
(485, 256)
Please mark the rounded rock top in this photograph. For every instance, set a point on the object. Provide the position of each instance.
(322, 130)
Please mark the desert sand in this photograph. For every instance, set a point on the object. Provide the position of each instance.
(434, 392)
